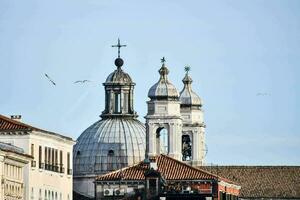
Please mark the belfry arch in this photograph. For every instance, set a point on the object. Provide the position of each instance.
(162, 140)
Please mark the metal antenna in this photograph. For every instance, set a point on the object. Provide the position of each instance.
(119, 45)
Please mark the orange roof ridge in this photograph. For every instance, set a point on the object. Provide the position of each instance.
(20, 126)
(169, 167)
(15, 122)
(119, 170)
(195, 168)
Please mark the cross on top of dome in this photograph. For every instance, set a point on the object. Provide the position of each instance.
(119, 45)
(119, 61)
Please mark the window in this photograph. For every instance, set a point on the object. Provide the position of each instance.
(68, 160)
(56, 160)
(186, 148)
(45, 158)
(61, 161)
(40, 156)
(117, 103)
(110, 160)
(53, 159)
(69, 164)
(32, 193)
(32, 150)
(49, 159)
(40, 194)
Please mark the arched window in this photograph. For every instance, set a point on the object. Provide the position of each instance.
(162, 143)
(110, 160)
(186, 148)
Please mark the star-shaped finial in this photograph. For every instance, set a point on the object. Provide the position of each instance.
(163, 60)
(187, 69)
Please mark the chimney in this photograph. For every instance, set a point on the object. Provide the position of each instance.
(153, 163)
(16, 117)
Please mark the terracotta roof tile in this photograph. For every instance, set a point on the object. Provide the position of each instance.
(262, 181)
(170, 168)
(10, 125)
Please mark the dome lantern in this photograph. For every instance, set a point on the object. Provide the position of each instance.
(188, 97)
(163, 89)
(119, 89)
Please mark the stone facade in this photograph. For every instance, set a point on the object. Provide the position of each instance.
(12, 163)
(49, 174)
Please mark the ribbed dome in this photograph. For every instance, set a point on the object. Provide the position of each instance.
(187, 96)
(119, 76)
(163, 89)
(108, 145)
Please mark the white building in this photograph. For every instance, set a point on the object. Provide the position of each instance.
(49, 175)
(12, 162)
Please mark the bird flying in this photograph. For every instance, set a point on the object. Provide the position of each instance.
(263, 94)
(82, 81)
(50, 79)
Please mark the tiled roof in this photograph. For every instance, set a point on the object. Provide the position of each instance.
(10, 125)
(262, 181)
(171, 169)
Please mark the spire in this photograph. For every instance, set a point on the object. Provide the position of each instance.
(163, 71)
(119, 61)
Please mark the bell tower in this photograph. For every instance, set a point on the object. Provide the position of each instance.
(163, 120)
(193, 130)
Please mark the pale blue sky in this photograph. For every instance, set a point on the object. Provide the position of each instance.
(236, 49)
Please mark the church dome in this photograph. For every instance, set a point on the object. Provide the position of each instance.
(187, 96)
(116, 140)
(108, 145)
(163, 89)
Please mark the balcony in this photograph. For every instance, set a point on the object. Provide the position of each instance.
(54, 168)
(62, 170)
(41, 165)
(69, 171)
(33, 163)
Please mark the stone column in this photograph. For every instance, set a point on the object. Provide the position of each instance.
(151, 139)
